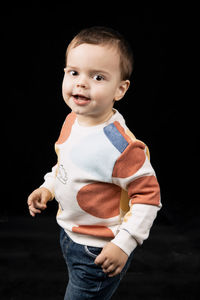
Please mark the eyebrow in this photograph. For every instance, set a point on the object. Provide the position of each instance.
(90, 71)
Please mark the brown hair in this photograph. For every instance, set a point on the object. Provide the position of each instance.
(106, 36)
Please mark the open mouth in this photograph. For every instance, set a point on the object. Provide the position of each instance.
(81, 99)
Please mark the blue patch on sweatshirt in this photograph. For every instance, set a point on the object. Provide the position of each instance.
(115, 137)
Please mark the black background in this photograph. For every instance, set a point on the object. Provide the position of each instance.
(158, 108)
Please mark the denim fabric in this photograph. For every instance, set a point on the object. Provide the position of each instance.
(86, 279)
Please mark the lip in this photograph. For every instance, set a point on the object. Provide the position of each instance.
(80, 99)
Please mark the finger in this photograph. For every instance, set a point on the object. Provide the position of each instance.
(31, 213)
(99, 259)
(106, 264)
(115, 272)
(43, 205)
(29, 201)
(34, 210)
(33, 196)
(40, 205)
(33, 201)
(110, 269)
(44, 200)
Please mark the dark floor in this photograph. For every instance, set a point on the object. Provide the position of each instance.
(31, 265)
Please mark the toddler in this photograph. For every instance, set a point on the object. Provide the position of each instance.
(106, 188)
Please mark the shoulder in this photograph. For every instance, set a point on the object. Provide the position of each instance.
(133, 152)
(70, 118)
(121, 137)
(66, 128)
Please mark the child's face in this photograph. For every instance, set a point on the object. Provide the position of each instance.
(92, 82)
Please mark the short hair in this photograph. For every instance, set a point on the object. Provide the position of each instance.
(99, 35)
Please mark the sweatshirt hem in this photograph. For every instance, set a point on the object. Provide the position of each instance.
(87, 240)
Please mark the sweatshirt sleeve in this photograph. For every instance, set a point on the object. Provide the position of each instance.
(134, 173)
(49, 180)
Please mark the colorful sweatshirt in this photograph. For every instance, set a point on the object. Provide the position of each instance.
(104, 183)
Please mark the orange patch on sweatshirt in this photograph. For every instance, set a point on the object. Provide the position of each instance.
(101, 200)
(130, 161)
(144, 190)
(101, 231)
(66, 128)
(122, 131)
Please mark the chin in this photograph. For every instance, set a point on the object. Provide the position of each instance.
(78, 111)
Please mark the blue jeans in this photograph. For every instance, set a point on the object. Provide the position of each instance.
(86, 279)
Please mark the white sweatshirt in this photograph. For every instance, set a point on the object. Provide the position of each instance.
(104, 183)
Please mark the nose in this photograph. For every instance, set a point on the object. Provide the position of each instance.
(82, 82)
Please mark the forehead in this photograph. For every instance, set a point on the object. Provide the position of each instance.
(99, 57)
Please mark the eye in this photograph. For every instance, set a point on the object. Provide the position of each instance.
(98, 77)
(73, 73)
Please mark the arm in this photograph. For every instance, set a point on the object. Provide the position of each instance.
(38, 198)
(134, 173)
(49, 180)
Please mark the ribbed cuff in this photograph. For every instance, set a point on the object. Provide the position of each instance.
(125, 241)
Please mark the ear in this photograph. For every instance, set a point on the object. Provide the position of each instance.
(121, 90)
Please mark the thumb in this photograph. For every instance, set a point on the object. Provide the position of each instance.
(99, 259)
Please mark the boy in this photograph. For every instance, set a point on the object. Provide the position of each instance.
(106, 188)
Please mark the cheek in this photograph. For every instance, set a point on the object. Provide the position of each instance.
(66, 87)
(105, 95)
(101, 93)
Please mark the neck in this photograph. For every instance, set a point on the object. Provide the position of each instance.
(94, 120)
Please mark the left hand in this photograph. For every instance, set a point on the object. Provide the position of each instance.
(112, 259)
